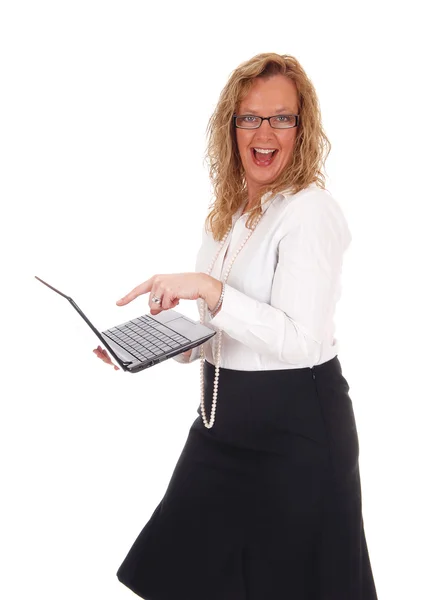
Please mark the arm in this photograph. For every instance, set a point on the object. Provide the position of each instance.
(211, 291)
(292, 327)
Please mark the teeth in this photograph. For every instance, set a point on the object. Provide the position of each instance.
(264, 151)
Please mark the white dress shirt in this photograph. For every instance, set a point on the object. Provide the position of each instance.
(281, 294)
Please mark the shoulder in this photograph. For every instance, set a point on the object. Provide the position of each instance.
(315, 209)
(313, 200)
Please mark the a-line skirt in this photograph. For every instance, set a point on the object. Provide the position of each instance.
(265, 505)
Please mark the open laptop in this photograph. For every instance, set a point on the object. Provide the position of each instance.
(149, 339)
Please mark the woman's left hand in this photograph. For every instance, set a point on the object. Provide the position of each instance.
(171, 288)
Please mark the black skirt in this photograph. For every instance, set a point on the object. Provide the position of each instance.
(266, 504)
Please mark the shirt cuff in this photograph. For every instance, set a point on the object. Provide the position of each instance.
(230, 309)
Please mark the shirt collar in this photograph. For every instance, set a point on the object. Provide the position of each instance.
(266, 200)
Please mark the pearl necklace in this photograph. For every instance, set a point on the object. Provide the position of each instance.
(209, 424)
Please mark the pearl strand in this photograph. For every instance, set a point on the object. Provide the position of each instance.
(210, 423)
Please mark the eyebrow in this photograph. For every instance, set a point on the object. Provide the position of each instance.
(250, 111)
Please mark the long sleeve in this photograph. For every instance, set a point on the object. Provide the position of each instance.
(305, 287)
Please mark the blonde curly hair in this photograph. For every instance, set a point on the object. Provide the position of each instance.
(226, 172)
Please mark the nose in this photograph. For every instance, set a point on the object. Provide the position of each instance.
(265, 131)
(265, 123)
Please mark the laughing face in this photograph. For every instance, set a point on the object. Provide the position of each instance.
(276, 95)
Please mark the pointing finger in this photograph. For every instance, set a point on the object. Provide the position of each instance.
(137, 291)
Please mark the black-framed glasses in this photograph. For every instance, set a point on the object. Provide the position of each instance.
(276, 121)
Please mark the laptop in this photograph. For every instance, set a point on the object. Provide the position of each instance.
(147, 340)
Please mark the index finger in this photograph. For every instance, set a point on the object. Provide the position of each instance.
(137, 291)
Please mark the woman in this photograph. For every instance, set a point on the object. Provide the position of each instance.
(265, 499)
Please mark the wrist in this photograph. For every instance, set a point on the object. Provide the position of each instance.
(211, 292)
(216, 309)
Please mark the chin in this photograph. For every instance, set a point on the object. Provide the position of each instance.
(263, 175)
(265, 178)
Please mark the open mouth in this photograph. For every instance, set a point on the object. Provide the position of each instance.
(263, 159)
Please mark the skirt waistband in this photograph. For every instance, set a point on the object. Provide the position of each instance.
(331, 366)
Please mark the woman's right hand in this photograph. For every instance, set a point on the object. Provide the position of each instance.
(103, 355)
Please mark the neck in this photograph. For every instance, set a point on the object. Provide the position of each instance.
(252, 191)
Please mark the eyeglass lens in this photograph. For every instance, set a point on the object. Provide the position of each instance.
(279, 121)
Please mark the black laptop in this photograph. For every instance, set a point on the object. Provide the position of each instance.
(149, 339)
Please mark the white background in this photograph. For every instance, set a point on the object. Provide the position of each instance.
(99, 193)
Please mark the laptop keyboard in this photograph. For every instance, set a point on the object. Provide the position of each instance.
(157, 338)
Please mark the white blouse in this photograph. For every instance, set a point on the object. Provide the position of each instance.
(281, 294)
